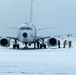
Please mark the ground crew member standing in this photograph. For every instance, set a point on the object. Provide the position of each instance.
(65, 43)
(69, 44)
(59, 44)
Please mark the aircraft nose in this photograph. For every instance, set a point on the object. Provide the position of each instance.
(24, 34)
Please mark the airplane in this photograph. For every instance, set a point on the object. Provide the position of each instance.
(27, 34)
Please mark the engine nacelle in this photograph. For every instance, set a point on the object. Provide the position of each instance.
(52, 42)
(5, 42)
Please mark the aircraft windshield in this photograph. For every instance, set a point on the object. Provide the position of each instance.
(27, 28)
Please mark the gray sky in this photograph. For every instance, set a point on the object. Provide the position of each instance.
(46, 13)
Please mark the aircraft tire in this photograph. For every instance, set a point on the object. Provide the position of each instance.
(44, 46)
(13, 46)
(17, 46)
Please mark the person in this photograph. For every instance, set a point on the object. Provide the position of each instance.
(69, 44)
(59, 44)
(64, 43)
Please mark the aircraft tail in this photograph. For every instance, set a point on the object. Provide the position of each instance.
(31, 11)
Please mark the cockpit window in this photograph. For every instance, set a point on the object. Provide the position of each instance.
(22, 28)
(27, 28)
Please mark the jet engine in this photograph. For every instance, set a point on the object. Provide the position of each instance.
(52, 42)
(5, 42)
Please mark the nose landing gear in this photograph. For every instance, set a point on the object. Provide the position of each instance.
(25, 47)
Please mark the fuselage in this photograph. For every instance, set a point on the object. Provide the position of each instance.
(27, 33)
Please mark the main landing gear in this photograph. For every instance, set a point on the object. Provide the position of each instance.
(39, 45)
(42, 46)
(15, 45)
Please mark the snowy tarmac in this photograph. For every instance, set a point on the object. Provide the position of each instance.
(38, 62)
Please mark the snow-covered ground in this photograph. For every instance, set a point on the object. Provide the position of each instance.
(38, 62)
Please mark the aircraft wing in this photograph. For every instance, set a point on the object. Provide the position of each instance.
(15, 38)
(62, 36)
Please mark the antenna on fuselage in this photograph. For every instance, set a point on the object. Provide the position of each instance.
(31, 11)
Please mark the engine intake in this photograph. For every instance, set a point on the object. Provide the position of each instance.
(52, 42)
(5, 42)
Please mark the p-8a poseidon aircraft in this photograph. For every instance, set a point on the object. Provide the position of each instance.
(27, 34)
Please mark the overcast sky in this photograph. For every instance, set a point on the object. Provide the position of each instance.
(46, 13)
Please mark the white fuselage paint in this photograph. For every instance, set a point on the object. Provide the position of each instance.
(30, 30)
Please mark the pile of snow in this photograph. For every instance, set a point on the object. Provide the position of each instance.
(38, 62)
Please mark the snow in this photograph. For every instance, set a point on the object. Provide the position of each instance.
(38, 62)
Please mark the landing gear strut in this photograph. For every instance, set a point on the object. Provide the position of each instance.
(38, 44)
(42, 45)
(34, 45)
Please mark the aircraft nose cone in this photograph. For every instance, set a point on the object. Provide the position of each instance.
(24, 34)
